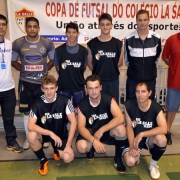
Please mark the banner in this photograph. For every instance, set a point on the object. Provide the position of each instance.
(53, 16)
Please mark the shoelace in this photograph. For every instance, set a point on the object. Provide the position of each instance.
(156, 167)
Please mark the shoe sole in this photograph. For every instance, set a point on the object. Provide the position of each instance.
(90, 159)
(44, 173)
(25, 148)
(121, 172)
(12, 149)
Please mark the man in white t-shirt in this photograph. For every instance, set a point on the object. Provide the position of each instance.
(7, 92)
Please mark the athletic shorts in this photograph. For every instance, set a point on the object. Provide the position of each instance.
(144, 144)
(173, 99)
(28, 93)
(49, 139)
(76, 96)
(105, 139)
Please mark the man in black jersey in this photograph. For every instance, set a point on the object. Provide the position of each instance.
(105, 56)
(48, 123)
(70, 61)
(100, 121)
(146, 126)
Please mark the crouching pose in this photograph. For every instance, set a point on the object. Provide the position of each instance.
(100, 121)
(146, 126)
(48, 123)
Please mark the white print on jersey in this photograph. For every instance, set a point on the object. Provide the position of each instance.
(33, 68)
(55, 115)
(144, 123)
(69, 63)
(108, 54)
(100, 116)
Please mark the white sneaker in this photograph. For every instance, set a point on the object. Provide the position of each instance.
(46, 145)
(154, 171)
(26, 145)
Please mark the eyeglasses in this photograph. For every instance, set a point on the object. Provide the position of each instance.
(3, 24)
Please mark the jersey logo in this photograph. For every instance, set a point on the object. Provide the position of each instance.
(20, 18)
(43, 50)
(97, 56)
(134, 123)
(91, 120)
(43, 119)
(33, 68)
(69, 63)
(64, 65)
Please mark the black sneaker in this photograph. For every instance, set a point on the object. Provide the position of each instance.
(90, 154)
(119, 165)
(15, 147)
(169, 140)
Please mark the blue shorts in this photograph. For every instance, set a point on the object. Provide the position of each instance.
(77, 96)
(173, 99)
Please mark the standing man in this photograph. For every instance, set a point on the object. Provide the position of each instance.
(48, 123)
(70, 62)
(105, 57)
(146, 126)
(171, 56)
(32, 50)
(100, 121)
(7, 91)
(142, 49)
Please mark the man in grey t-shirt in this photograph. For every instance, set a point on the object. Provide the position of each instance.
(32, 50)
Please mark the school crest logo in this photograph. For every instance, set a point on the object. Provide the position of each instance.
(20, 18)
(64, 65)
(91, 120)
(43, 119)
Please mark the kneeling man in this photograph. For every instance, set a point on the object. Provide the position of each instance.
(48, 123)
(100, 121)
(146, 126)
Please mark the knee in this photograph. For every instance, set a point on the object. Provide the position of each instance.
(32, 136)
(67, 158)
(161, 140)
(130, 160)
(119, 131)
(81, 147)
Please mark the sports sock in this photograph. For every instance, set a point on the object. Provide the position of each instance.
(120, 143)
(40, 154)
(157, 152)
(25, 118)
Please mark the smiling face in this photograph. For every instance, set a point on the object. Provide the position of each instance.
(49, 91)
(72, 35)
(105, 26)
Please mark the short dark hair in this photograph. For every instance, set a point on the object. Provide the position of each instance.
(105, 16)
(73, 26)
(142, 11)
(146, 84)
(32, 19)
(2, 17)
(49, 79)
(92, 78)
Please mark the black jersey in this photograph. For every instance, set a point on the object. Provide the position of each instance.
(71, 68)
(52, 116)
(142, 121)
(98, 116)
(105, 58)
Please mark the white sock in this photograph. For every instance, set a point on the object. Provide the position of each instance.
(153, 162)
(26, 124)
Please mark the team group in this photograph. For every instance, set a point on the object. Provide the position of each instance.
(48, 105)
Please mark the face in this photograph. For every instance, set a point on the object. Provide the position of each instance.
(49, 91)
(93, 89)
(32, 29)
(3, 27)
(72, 35)
(142, 22)
(105, 26)
(142, 93)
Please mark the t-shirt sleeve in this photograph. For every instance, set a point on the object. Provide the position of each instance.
(15, 51)
(51, 50)
(167, 50)
(69, 107)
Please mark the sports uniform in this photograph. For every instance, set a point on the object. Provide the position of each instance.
(105, 57)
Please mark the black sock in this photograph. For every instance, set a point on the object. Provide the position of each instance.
(119, 146)
(40, 154)
(157, 152)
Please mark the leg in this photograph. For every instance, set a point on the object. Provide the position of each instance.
(35, 140)
(119, 133)
(170, 116)
(152, 84)
(130, 88)
(78, 96)
(130, 160)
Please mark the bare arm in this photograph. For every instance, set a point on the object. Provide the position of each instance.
(90, 58)
(50, 64)
(57, 69)
(120, 63)
(16, 65)
(166, 60)
(72, 128)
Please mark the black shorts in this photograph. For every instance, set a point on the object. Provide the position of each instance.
(49, 139)
(105, 139)
(28, 93)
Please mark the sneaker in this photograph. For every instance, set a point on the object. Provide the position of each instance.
(46, 145)
(43, 168)
(118, 163)
(26, 145)
(56, 156)
(154, 171)
(15, 147)
(169, 140)
(90, 154)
